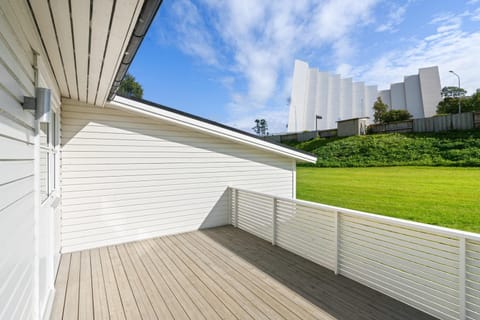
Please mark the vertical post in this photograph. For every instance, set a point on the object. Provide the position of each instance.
(274, 222)
(337, 242)
(235, 217)
(462, 277)
(230, 206)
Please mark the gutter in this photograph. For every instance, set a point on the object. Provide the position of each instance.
(148, 12)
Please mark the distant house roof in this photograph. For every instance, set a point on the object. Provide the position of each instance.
(211, 127)
(359, 118)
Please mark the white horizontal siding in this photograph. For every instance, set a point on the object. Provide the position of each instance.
(17, 138)
(16, 172)
(436, 270)
(126, 176)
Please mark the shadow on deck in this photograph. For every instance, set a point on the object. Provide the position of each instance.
(220, 273)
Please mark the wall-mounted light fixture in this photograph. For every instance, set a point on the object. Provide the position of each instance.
(40, 104)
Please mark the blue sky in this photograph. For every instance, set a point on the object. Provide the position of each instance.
(232, 60)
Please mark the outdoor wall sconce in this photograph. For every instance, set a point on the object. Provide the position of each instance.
(40, 104)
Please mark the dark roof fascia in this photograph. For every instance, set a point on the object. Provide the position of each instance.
(148, 12)
(192, 116)
(359, 118)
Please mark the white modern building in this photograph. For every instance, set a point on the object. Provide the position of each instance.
(318, 94)
(419, 94)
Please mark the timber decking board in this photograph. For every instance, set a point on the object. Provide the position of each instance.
(220, 273)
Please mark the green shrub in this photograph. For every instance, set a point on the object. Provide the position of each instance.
(455, 148)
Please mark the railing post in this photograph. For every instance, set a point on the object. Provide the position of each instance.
(230, 206)
(235, 217)
(274, 222)
(462, 277)
(337, 242)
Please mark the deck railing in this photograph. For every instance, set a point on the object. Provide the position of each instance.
(434, 269)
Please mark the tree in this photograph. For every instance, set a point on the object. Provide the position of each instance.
(453, 92)
(381, 115)
(261, 127)
(380, 109)
(130, 88)
(395, 115)
(449, 104)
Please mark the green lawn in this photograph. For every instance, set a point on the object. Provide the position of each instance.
(442, 196)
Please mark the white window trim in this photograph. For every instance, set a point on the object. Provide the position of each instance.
(53, 151)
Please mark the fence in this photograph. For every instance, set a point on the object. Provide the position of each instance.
(301, 136)
(463, 121)
(400, 126)
(434, 269)
(476, 120)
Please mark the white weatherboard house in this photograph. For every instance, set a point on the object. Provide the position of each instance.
(96, 170)
(85, 175)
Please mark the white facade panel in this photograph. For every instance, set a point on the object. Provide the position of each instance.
(346, 91)
(371, 94)
(334, 98)
(128, 177)
(311, 101)
(298, 97)
(27, 268)
(397, 94)
(385, 96)
(322, 96)
(316, 93)
(358, 98)
(333, 111)
(430, 89)
(413, 96)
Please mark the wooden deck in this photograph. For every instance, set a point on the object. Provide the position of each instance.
(221, 273)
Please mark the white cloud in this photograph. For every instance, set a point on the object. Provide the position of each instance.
(476, 15)
(257, 41)
(395, 16)
(193, 37)
(449, 47)
(266, 36)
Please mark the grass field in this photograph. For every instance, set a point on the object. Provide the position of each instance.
(448, 149)
(442, 196)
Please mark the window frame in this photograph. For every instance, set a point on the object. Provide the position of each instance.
(51, 149)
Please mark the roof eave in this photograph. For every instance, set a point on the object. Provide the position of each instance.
(145, 19)
(210, 127)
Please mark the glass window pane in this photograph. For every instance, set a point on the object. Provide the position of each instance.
(54, 138)
(44, 134)
(54, 141)
(54, 161)
(43, 174)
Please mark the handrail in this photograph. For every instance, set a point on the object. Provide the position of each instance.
(402, 222)
(425, 264)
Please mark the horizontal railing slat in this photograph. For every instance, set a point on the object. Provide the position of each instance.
(400, 222)
(448, 294)
(400, 295)
(434, 269)
(401, 252)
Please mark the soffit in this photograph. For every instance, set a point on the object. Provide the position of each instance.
(85, 42)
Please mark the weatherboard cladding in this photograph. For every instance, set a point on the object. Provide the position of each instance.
(17, 139)
(205, 125)
(126, 176)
